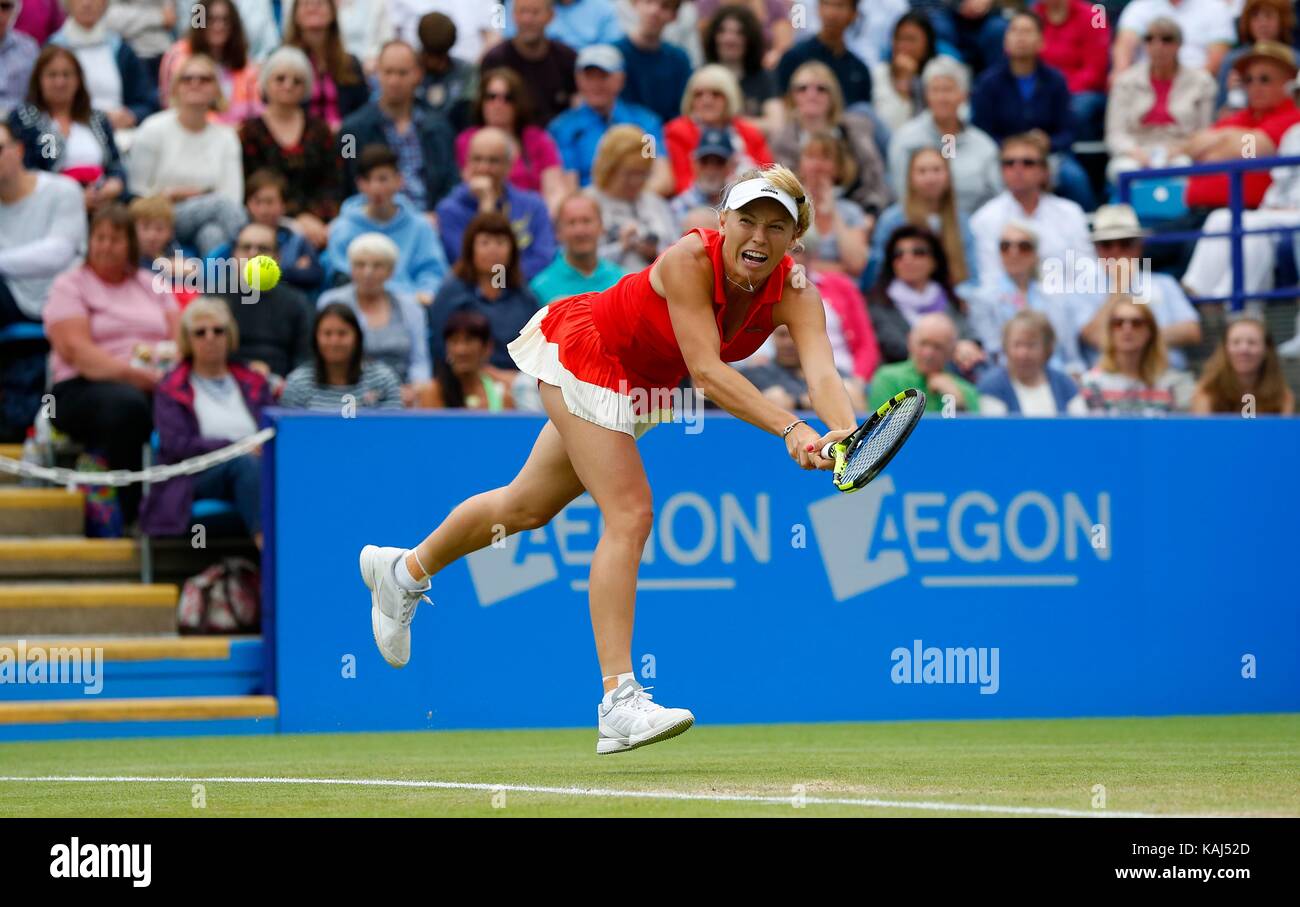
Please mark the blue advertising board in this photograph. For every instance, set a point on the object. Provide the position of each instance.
(999, 568)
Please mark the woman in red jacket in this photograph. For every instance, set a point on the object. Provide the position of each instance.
(712, 101)
(606, 363)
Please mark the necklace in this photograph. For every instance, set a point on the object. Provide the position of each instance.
(747, 289)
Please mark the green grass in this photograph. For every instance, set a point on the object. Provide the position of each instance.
(1238, 765)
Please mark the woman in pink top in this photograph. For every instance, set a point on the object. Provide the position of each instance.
(112, 334)
(503, 102)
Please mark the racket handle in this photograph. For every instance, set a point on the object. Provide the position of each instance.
(827, 453)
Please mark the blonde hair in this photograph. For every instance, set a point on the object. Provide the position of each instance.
(719, 78)
(949, 226)
(827, 76)
(784, 179)
(620, 145)
(1154, 358)
(206, 305)
(152, 207)
(219, 104)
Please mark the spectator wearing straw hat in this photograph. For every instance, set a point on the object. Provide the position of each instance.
(1267, 71)
(1118, 237)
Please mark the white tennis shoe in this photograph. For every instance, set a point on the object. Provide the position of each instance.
(628, 718)
(391, 607)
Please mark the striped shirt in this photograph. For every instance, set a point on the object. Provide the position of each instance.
(378, 389)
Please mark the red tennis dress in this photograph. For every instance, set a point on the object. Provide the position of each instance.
(614, 355)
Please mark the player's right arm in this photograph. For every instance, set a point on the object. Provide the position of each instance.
(687, 278)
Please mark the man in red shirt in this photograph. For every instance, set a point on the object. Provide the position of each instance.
(1076, 41)
(1254, 132)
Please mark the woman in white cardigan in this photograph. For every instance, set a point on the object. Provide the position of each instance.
(194, 162)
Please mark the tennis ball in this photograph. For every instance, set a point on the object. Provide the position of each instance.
(262, 273)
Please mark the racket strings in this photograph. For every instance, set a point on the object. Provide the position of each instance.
(876, 445)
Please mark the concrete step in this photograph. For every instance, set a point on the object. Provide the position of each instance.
(41, 511)
(145, 717)
(29, 609)
(13, 452)
(68, 556)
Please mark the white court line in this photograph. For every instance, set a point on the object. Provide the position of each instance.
(604, 793)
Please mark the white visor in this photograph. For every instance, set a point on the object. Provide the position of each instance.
(743, 193)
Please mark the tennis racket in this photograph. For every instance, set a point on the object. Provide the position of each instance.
(861, 456)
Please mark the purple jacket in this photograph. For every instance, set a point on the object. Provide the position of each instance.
(166, 509)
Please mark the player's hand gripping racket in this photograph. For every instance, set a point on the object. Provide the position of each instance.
(861, 456)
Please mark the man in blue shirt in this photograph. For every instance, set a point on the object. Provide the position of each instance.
(486, 188)
(827, 46)
(1021, 94)
(656, 72)
(577, 23)
(578, 132)
(577, 268)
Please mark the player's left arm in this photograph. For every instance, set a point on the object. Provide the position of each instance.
(800, 310)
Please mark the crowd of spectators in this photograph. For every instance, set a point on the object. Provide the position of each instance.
(428, 173)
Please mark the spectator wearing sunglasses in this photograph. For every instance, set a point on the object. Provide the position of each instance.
(814, 104)
(192, 160)
(1261, 20)
(286, 139)
(1156, 105)
(1206, 23)
(1117, 236)
(1133, 377)
(215, 28)
(914, 281)
(204, 404)
(1061, 224)
(1266, 71)
(504, 103)
(1018, 289)
(828, 47)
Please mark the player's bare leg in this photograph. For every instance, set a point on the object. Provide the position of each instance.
(609, 466)
(543, 486)
(398, 579)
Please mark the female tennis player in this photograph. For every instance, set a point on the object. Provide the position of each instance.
(712, 298)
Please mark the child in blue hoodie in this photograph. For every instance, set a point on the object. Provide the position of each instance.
(421, 264)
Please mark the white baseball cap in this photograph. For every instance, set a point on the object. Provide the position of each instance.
(742, 194)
